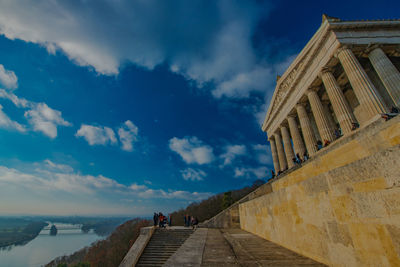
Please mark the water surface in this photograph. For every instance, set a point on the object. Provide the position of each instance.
(45, 247)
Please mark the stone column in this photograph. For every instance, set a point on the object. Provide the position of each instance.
(281, 152)
(340, 106)
(324, 127)
(288, 146)
(309, 137)
(296, 137)
(274, 155)
(388, 73)
(368, 97)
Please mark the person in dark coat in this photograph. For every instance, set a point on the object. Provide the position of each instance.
(155, 219)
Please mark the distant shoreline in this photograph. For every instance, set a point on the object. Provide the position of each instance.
(21, 234)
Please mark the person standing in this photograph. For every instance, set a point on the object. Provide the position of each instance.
(160, 220)
(155, 219)
(185, 218)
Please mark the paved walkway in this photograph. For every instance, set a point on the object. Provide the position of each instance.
(251, 250)
(234, 247)
(217, 251)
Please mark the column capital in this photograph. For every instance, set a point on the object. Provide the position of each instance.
(283, 126)
(326, 69)
(312, 90)
(341, 49)
(371, 47)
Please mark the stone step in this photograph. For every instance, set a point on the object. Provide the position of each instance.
(155, 257)
(162, 245)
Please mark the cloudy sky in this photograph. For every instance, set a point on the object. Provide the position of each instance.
(132, 106)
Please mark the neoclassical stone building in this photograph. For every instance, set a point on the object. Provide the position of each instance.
(347, 73)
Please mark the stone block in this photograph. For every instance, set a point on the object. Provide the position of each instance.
(339, 233)
(369, 205)
(316, 185)
(370, 185)
(344, 208)
(394, 232)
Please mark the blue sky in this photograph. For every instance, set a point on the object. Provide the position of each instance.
(129, 107)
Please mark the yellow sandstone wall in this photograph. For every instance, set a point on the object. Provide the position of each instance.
(341, 208)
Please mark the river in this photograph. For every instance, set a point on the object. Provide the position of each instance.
(45, 247)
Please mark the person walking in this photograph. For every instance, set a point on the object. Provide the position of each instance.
(194, 223)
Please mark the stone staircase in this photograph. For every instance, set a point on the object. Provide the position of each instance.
(162, 245)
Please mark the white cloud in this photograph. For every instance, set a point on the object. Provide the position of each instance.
(192, 150)
(40, 116)
(259, 172)
(193, 175)
(57, 188)
(7, 123)
(242, 84)
(45, 119)
(262, 153)
(204, 41)
(8, 78)
(48, 164)
(232, 152)
(128, 134)
(97, 135)
(18, 102)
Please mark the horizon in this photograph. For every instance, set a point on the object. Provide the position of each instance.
(126, 108)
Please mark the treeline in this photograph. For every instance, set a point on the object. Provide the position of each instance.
(105, 253)
(211, 206)
(20, 236)
(102, 228)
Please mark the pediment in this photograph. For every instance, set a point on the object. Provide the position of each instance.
(294, 73)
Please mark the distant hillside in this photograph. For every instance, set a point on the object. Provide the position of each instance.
(211, 206)
(110, 252)
(105, 253)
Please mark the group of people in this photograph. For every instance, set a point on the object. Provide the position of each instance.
(296, 160)
(190, 221)
(320, 145)
(161, 220)
(394, 111)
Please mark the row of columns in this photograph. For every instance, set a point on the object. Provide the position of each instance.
(366, 93)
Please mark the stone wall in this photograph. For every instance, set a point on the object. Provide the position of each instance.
(341, 208)
(229, 218)
(134, 253)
